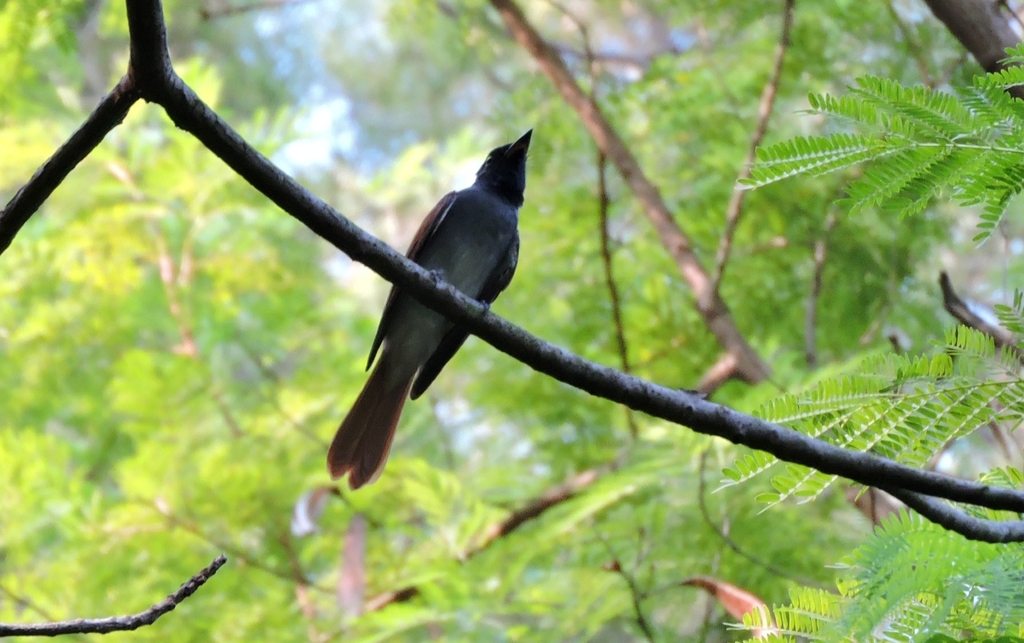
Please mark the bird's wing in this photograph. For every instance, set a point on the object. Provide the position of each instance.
(427, 230)
(452, 341)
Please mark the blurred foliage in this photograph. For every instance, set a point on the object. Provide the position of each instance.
(957, 589)
(175, 353)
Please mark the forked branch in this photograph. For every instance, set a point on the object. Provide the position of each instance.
(153, 78)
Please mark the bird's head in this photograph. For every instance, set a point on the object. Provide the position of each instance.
(504, 170)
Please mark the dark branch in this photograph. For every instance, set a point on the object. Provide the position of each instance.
(982, 27)
(687, 409)
(953, 519)
(680, 407)
(958, 308)
(118, 623)
(107, 115)
(603, 203)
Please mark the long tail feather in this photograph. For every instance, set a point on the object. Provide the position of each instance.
(363, 441)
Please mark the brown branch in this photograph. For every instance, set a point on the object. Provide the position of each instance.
(536, 507)
(188, 346)
(175, 280)
(811, 316)
(982, 28)
(960, 310)
(302, 585)
(531, 510)
(225, 412)
(118, 623)
(734, 211)
(606, 258)
(875, 504)
(717, 374)
(712, 308)
(107, 115)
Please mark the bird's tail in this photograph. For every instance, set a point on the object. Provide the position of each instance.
(363, 441)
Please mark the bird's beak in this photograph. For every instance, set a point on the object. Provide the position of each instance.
(521, 145)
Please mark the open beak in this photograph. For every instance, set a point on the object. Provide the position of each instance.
(521, 145)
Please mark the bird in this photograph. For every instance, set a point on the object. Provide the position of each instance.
(471, 239)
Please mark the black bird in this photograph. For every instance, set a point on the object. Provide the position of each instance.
(471, 238)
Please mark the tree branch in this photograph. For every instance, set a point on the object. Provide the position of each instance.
(118, 623)
(188, 112)
(192, 115)
(240, 554)
(107, 115)
(941, 513)
(724, 537)
(981, 28)
(734, 210)
(712, 308)
(636, 595)
(961, 310)
(811, 316)
(531, 510)
(609, 277)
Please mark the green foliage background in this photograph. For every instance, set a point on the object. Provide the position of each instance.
(175, 353)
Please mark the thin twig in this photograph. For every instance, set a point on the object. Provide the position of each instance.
(302, 585)
(725, 538)
(175, 279)
(636, 594)
(252, 561)
(811, 316)
(531, 510)
(168, 278)
(118, 623)
(734, 211)
(609, 277)
(917, 52)
(270, 375)
(23, 602)
(710, 61)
